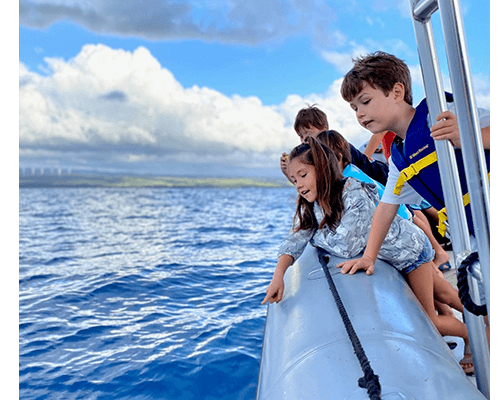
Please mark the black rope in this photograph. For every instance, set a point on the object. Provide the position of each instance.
(369, 380)
(463, 286)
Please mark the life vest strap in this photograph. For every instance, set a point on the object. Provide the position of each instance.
(412, 170)
(442, 216)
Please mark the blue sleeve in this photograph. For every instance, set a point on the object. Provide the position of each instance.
(374, 169)
(355, 172)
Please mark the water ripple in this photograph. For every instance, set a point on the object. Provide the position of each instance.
(145, 293)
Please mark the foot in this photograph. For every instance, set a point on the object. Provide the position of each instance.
(466, 362)
(445, 267)
(437, 270)
(442, 260)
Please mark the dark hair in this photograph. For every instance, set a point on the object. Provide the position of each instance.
(310, 116)
(337, 143)
(329, 185)
(381, 71)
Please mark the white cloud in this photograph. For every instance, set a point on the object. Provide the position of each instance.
(343, 61)
(107, 104)
(481, 86)
(114, 104)
(340, 115)
(125, 102)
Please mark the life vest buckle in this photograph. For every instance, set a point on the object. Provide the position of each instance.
(413, 169)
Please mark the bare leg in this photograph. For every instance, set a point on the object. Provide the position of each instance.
(426, 285)
(443, 309)
(444, 292)
(421, 282)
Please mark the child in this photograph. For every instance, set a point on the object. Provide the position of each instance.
(311, 121)
(340, 147)
(335, 213)
(378, 89)
(421, 211)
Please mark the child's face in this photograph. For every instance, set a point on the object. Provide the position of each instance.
(303, 177)
(374, 110)
(309, 131)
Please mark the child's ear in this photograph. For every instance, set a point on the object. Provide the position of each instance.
(399, 90)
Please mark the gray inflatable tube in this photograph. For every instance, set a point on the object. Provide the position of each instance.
(307, 353)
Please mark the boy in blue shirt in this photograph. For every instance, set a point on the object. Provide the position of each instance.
(311, 121)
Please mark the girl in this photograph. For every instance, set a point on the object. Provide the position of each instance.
(340, 147)
(335, 213)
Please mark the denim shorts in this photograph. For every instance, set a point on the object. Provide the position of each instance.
(425, 256)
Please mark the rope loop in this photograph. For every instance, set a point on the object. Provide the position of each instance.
(463, 286)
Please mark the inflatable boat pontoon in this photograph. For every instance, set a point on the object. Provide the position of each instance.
(307, 353)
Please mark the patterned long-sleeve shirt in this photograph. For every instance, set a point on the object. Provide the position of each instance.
(401, 247)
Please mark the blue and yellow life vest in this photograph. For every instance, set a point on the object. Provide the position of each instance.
(416, 159)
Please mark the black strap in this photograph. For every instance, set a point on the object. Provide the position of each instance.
(369, 380)
(463, 286)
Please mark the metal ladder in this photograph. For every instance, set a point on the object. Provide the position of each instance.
(473, 155)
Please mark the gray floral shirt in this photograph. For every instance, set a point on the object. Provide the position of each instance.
(401, 248)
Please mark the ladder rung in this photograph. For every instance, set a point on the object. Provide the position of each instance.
(423, 9)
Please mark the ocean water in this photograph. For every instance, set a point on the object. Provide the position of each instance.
(145, 293)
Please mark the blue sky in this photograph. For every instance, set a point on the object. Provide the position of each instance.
(190, 87)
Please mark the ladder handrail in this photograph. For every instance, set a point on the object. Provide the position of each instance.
(472, 151)
(468, 122)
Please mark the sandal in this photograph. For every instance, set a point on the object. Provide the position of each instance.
(445, 267)
(466, 362)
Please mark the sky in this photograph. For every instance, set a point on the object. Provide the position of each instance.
(198, 88)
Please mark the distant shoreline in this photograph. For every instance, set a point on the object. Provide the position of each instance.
(111, 181)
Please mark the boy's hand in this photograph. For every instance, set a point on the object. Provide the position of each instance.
(446, 128)
(351, 266)
(274, 291)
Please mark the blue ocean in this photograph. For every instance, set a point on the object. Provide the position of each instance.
(145, 293)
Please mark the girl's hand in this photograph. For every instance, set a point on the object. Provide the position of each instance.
(351, 266)
(274, 291)
(446, 128)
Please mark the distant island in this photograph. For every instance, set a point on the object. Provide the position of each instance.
(82, 180)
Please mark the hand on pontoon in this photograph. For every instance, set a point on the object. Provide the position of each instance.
(351, 266)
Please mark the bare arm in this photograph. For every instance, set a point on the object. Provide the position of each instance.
(274, 292)
(373, 144)
(485, 133)
(284, 165)
(382, 220)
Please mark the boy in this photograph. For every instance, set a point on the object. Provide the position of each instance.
(378, 89)
(311, 121)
